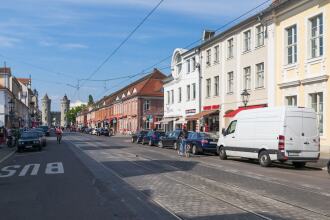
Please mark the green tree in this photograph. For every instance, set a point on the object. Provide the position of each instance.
(90, 100)
(71, 115)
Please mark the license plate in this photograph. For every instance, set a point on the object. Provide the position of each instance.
(212, 142)
(28, 146)
(293, 154)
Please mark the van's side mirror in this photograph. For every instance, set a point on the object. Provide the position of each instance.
(224, 132)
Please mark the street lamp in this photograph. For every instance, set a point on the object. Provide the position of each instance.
(245, 97)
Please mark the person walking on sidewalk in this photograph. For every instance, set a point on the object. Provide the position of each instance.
(183, 137)
(59, 134)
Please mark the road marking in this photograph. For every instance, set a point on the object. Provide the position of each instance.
(7, 156)
(51, 168)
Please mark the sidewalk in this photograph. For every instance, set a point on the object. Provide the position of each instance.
(6, 152)
(322, 162)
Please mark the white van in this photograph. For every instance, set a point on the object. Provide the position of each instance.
(272, 134)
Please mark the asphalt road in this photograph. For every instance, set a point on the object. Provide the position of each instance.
(89, 177)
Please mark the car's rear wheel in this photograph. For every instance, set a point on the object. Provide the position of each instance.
(222, 153)
(264, 159)
(194, 150)
(299, 165)
(175, 146)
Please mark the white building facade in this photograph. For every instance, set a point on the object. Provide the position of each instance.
(182, 91)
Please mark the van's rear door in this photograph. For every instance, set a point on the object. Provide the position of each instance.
(310, 133)
(293, 132)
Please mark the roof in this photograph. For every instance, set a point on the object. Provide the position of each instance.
(168, 79)
(5, 70)
(25, 81)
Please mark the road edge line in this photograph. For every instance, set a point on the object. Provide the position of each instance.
(7, 156)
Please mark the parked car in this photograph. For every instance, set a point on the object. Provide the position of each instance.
(152, 137)
(170, 139)
(328, 167)
(29, 139)
(137, 137)
(46, 129)
(41, 135)
(273, 134)
(104, 131)
(200, 142)
(95, 131)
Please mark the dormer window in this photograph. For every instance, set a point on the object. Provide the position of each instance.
(134, 90)
(123, 96)
(128, 93)
(178, 64)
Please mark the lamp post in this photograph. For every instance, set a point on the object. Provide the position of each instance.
(11, 105)
(245, 97)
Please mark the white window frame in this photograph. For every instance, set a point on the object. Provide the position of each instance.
(179, 95)
(319, 109)
(291, 46)
(291, 100)
(216, 86)
(260, 35)
(188, 66)
(208, 57)
(230, 48)
(259, 73)
(193, 64)
(216, 54)
(188, 93)
(208, 88)
(230, 82)
(247, 40)
(318, 39)
(146, 105)
(247, 78)
(194, 91)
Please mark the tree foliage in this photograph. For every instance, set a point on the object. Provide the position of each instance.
(71, 115)
(90, 100)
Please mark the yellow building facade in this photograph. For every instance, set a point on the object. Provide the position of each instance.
(302, 59)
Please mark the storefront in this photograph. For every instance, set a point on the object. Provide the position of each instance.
(207, 120)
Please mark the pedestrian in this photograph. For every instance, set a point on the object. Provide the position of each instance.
(59, 133)
(183, 138)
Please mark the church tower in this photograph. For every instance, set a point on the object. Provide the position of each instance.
(65, 106)
(45, 111)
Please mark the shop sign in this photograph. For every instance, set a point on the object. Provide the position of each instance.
(190, 111)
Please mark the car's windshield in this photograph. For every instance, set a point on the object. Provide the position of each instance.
(30, 135)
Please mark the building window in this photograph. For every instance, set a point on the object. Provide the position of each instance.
(172, 94)
(316, 34)
(158, 125)
(193, 60)
(188, 92)
(260, 75)
(180, 95)
(291, 44)
(216, 54)
(146, 105)
(168, 97)
(291, 100)
(216, 86)
(208, 88)
(146, 125)
(247, 40)
(247, 78)
(316, 102)
(208, 57)
(260, 36)
(178, 64)
(230, 82)
(194, 91)
(230, 52)
(188, 66)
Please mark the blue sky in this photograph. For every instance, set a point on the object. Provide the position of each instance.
(58, 42)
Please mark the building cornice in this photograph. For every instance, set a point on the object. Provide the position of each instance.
(316, 79)
(289, 84)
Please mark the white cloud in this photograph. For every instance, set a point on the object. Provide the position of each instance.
(74, 46)
(8, 41)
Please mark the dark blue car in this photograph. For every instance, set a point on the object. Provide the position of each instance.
(201, 142)
(139, 136)
(152, 138)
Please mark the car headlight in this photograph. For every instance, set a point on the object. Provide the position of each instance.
(20, 143)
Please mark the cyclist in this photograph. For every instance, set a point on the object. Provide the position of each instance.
(59, 133)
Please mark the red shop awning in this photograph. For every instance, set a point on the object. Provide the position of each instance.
(235, 112)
